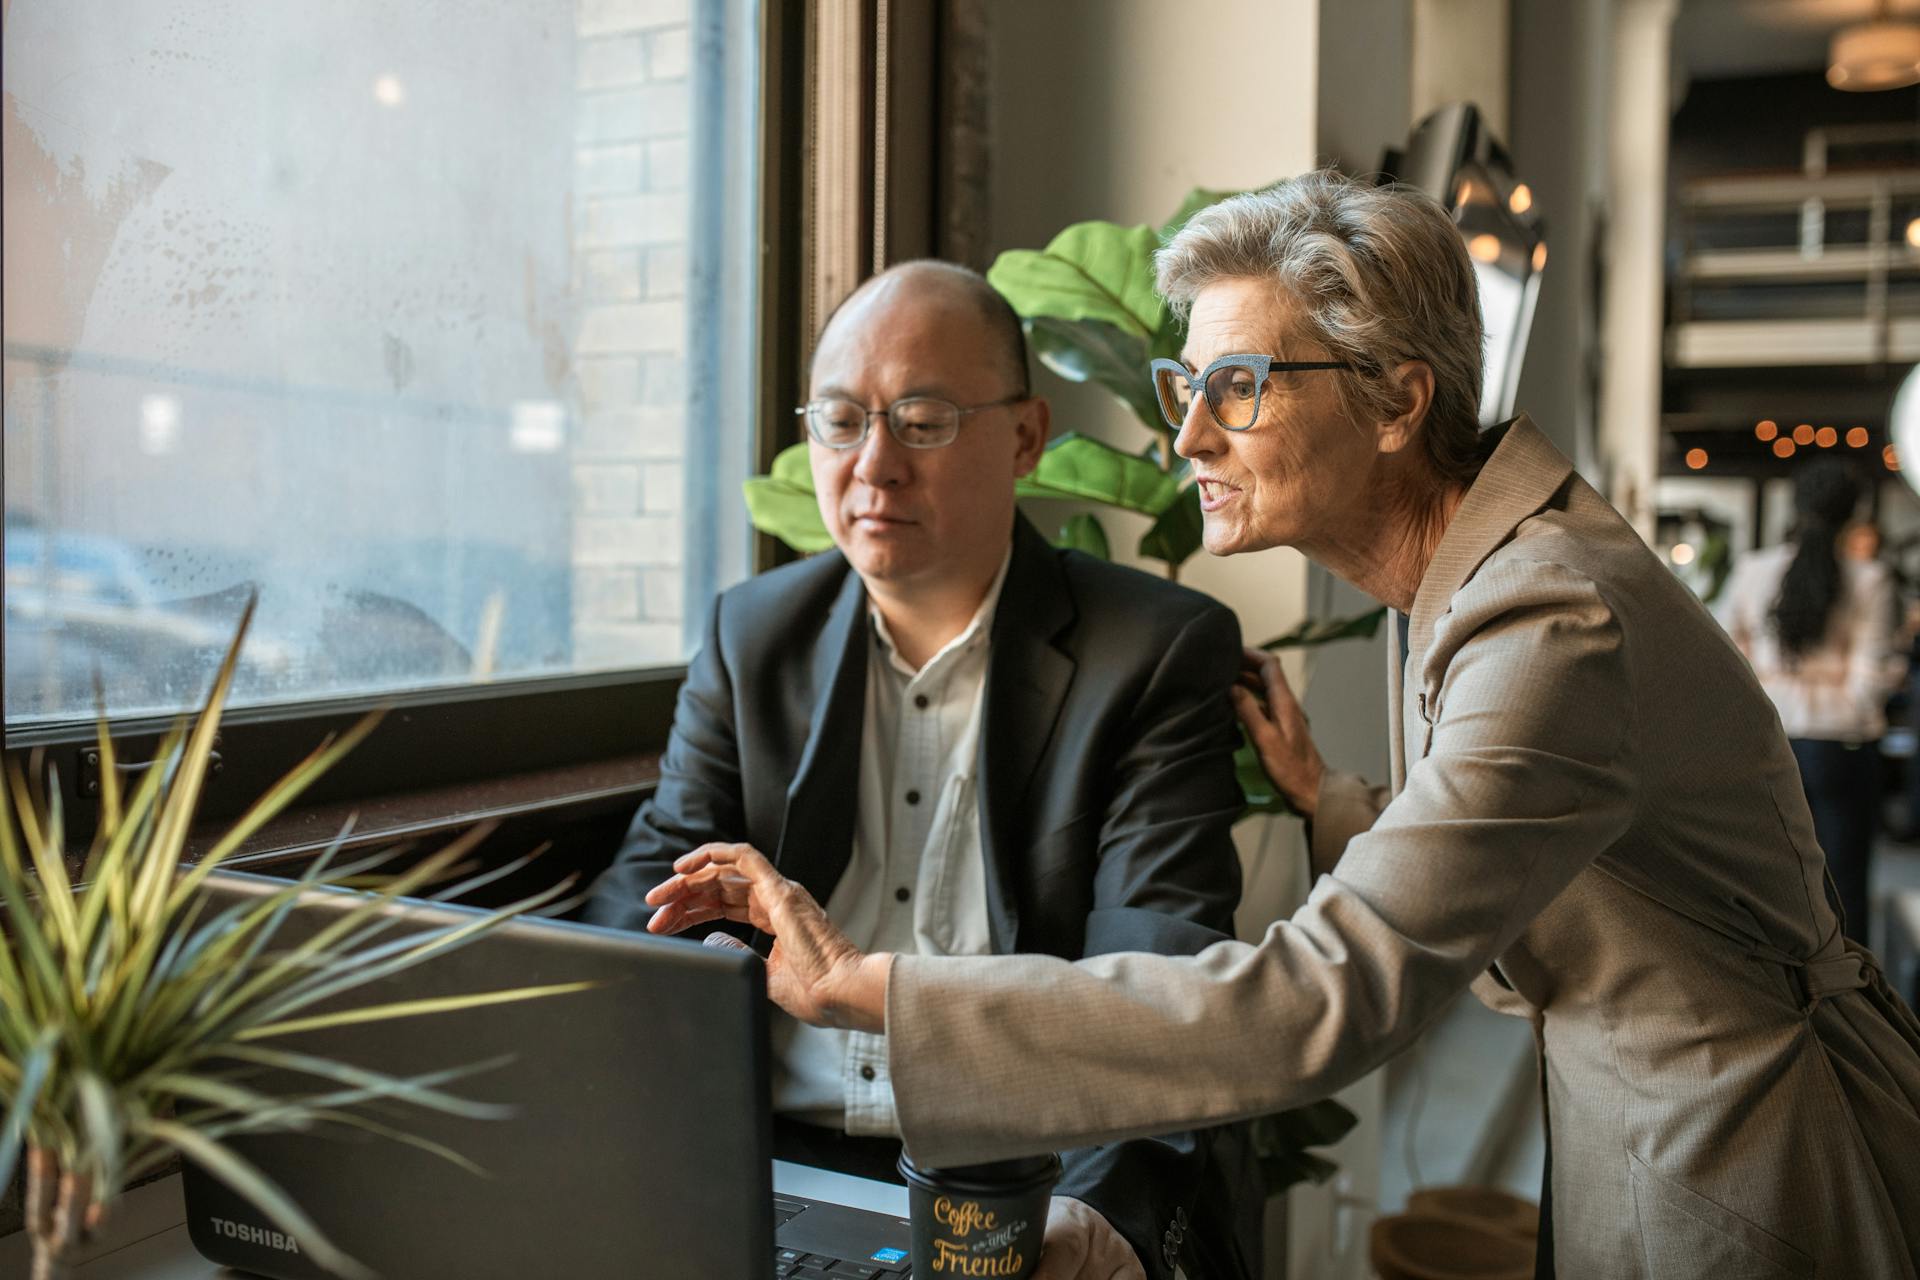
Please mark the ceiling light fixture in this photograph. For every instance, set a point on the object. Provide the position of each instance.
(1877, 54)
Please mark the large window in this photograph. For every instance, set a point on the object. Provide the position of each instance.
(433, 325)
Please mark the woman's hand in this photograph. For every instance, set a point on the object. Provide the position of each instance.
(813, 973)
(1278, 729)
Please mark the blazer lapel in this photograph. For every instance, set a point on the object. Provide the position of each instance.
(1027, 681)
(1520, 478)
(816, 837)
(1396, 701)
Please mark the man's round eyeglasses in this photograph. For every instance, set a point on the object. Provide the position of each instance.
(1231, 385)
(919, 422)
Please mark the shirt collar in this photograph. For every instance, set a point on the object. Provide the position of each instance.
(973, 636)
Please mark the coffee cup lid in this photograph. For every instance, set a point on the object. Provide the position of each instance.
(998, 1178)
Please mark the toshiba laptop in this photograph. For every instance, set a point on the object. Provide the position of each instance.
(638, 1144)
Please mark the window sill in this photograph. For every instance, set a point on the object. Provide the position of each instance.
(583, 790)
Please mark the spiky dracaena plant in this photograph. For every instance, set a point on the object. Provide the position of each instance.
(132, 1030)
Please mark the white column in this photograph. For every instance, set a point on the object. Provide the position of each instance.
(1627, 437)
(1461, 52)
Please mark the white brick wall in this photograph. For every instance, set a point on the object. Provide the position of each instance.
(661, 487)
(608, 382)
(613, 62)
(601, 17)
(609, 594)
(602, 170)
(660, 593)
(667, 271)
(609, 489)
(643, 111)
(633, 327)
(669, 54)
(608, 275)
(663, 379)
(615, 541)
(641, 219)
(629, 644)
(631, 176)
(643, 433)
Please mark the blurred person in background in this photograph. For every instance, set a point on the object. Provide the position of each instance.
(1861, 541)
(1815, 617)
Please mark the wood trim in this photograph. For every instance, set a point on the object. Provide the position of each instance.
(784, 184)
(872, 144)
(908, 101)
(842, 159)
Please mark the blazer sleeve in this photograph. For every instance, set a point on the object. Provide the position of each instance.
(1167, 880)
(1346, 806)
(698, 799)
(1527, 778)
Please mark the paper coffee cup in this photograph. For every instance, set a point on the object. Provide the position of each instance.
(981, 1219)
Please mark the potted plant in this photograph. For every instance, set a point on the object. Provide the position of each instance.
(1091, 314)
(132, 1028)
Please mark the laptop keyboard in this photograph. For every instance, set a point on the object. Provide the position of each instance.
(792, 1264)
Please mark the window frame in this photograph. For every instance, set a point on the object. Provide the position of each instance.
(472, 734)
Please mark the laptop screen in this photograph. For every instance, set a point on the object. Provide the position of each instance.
(638, 1144)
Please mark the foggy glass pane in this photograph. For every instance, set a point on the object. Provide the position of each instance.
(385, 310)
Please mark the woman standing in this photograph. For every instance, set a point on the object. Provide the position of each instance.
(1594, 820)
(1818, 628)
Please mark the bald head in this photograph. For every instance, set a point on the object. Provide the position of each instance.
(948, 286)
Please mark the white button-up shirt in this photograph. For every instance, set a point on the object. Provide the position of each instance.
(916, 882)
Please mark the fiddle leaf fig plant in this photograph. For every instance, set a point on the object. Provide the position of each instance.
(134, 1024)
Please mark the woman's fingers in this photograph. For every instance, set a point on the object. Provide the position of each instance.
(708, 884)
(1262, 673)
(811, 962)
(1253, 716)
(1277, 727)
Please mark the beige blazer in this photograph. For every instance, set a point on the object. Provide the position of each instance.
(1597, 824)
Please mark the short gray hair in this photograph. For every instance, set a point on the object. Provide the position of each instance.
(1381, 277)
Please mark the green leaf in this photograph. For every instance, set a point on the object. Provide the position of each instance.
(1090, 271)
(782, 503)
(1197, 199)
(1094, 351)
(1318, 631)
(417, 1090)
(33, 1077)
(408, 1009)
(1261, 795)
(105, 1145)
(438, 1150)
(1175, 536)
(793, 467)
(1083, 533)
(1076, 466)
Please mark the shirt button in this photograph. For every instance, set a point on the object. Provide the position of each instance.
(866, 1073)
(913, 797)
(920, 701)
(902, 894)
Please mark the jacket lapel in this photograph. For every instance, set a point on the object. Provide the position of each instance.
(1520, 478)
(816, 837)
(1396, 700)
(1027, 681)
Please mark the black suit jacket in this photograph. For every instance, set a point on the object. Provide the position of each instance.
(1106, 794)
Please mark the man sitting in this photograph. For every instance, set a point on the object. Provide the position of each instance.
(965, 741)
